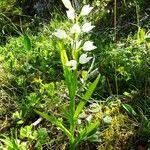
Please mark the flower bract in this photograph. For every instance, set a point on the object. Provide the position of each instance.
(88, 46)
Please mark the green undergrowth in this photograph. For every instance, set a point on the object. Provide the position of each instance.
(31, 77)
(115, 130)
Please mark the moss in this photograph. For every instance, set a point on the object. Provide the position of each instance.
(117, 134)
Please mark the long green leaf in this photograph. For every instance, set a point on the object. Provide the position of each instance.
(64, 58)
(88, 131)
(27, 42)
(56, 122)
(129, 109)
(86, 97)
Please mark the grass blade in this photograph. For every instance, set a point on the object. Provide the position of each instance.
(129, 109)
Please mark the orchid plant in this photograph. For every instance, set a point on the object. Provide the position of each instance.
(79, 54)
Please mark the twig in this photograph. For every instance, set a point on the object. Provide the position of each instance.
(37, 121)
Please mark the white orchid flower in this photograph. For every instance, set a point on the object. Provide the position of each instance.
(86, 9)
(75, 29)
(88, 46)
(61, 34)
(83, 59)
(72, 64)
(87, 27)
(71, 14)
(67, 4)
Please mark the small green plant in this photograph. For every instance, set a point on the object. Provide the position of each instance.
(71, 49)
(28, 137)
(34, 137)
(12, 144)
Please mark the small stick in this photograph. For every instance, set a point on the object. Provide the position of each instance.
(37, 121)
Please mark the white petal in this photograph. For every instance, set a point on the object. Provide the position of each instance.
(71, 14)
(60, 34)
(84, 59)
(75, 29)
(72, 64)
(67, 4)
(88, 46)
(87, 27)
(86, 10)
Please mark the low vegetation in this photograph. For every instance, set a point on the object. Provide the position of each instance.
(78, 80)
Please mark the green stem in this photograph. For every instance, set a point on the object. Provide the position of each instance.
(72, 110)
(116, 79)
(115, 20)
(72, 145)
(72, 91)
(72, 101)
(137, 13)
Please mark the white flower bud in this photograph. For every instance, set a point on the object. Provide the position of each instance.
(75, 29)
(84, 59)
(71, 14)
(87, 27)
(67, 4)
(86, 9)
(88, 46)
(72, 64)
(60, 34)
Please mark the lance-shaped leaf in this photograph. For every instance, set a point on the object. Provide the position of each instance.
(71, 81)
(86, 132)
(129, 109)
(27, 42)
(64, 58)
(56, 122)
(85, 98)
